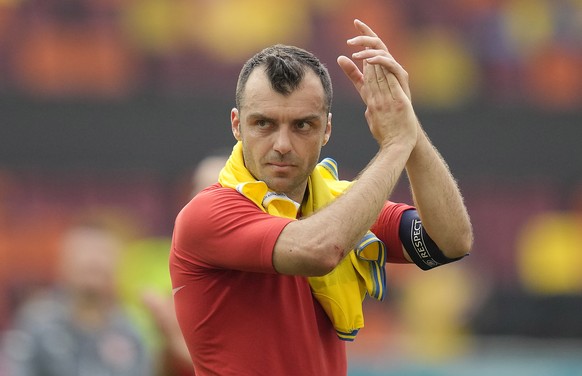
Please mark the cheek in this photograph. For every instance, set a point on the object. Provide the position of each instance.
(250, 156)
(311, 151)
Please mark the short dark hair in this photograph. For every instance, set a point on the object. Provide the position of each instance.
(285, 67)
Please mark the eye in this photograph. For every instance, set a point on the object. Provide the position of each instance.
(303, 125)
(262, 123)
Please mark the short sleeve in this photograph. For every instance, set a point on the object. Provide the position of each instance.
(386, 228)
(220, 228)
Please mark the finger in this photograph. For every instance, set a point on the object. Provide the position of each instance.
(366, 30)
(402, 79)
(368, 42)
(389, 81)
(373, 81)
(383, 80)
(391, 67)
(363, 28)
(368, 53)
(370, 77)
(385, 85)
(387, 62)
(352, 71)
(383, 63)
(403, 83)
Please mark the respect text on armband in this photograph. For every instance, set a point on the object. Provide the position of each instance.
(419, 245)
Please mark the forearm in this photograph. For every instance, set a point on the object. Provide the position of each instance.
(438, 199)
(315, 245)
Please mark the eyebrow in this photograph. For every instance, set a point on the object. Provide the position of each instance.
(309, 118)
(258, 115)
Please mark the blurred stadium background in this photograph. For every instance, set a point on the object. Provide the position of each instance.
(108, 105)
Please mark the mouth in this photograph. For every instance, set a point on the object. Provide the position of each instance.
(277, 164)
(280, 166)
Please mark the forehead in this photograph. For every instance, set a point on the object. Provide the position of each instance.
(258, 92)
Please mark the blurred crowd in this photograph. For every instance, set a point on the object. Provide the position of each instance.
(95, 299)
(458, 51)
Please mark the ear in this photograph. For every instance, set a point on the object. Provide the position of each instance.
(327, 133)
(235, 124)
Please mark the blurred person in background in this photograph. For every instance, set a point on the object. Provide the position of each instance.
(145, 292)
(239, 258)
(206, 172)
(78, 328)
(174, 356)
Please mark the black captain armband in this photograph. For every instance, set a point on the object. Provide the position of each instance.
(420, 247)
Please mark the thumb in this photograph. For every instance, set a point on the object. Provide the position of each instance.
(352, 71)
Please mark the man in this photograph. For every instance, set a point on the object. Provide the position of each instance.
(79, 328)
(247, 275)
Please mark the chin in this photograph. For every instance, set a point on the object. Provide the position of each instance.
(277, 185)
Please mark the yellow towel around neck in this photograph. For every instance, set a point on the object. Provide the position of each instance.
(342, 291)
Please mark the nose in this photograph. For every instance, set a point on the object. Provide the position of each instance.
(282, 143)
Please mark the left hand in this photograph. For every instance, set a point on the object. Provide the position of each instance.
(374, 52)
(383, 86)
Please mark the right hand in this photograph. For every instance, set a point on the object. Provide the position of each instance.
(383, 86)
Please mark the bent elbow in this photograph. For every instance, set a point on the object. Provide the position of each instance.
(467, 241)
(460, 247)
(329, 257)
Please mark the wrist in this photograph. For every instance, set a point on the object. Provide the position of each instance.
(394, 147)
(422, 150)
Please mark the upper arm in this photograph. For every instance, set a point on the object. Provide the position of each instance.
(419, 246)
(386, 228)
(221, 228)
(405, 238)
